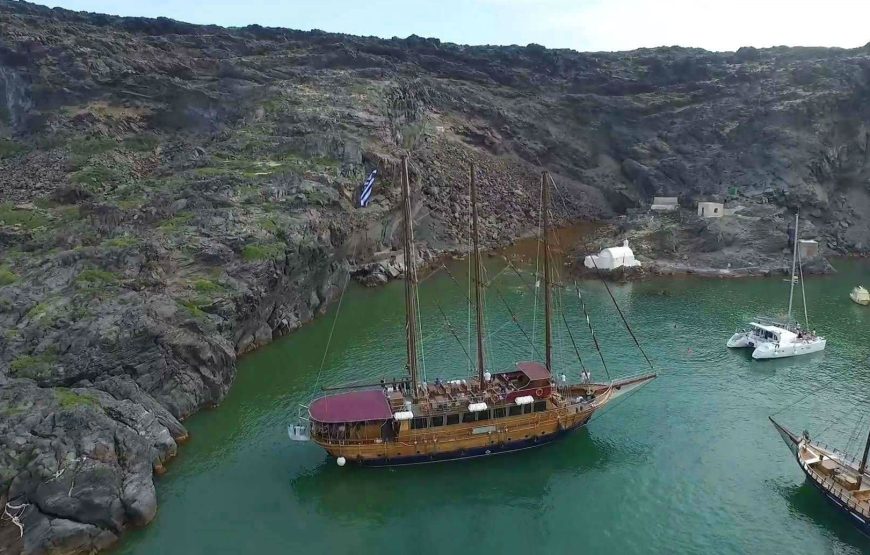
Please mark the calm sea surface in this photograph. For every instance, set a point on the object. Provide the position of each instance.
(688, 464)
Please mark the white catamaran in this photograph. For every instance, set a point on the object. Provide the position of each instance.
(771, 339)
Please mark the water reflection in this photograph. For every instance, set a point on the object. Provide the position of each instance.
(521, 479)
(805, 501)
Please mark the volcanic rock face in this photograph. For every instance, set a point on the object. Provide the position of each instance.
(172, 196)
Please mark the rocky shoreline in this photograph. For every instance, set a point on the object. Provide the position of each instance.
(173, 196)
(751, 241)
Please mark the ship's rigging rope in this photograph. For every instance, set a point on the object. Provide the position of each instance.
(558, 301)
(454, 280)
(856, 433)
(812, 391)
(453, 331)
(516, 321)
(487, 338)
(574, 343)
(592, 331)
(559, 304)
(838, 417)
(565, 321)
(583, 304)
(455, 334)
(606, 286)
(334, 322)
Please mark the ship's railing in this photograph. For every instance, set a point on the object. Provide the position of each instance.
(461, 398)
(835, 488)
(846, 457)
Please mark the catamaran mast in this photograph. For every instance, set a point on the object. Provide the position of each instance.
(478, 286)
(863, 462)
(793, 262)
(548, 332)
(410, 277)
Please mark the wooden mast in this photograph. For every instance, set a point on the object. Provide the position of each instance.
(863, 466)
(478, 285)
(548, 332)
(410, 278)
(793, 262)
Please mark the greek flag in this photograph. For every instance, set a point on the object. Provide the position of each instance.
(365, 193)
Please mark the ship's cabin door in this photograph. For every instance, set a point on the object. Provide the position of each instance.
(388, 432)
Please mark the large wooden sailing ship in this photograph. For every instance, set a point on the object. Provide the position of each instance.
(409, 421)
(842, 479)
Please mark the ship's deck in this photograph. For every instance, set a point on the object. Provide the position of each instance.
(836, 475)
(530, 379)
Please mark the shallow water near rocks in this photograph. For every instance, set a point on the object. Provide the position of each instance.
(688, 464)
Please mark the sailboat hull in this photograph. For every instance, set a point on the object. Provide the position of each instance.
(740, 340)
(472, 453)
(858, 519)
(465, 441)
(850, 502)
(773, 350)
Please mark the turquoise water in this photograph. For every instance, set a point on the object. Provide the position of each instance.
(688, 464)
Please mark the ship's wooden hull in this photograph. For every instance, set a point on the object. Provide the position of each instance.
(473, 453)
(859, 519)
(852, 503)
(466, 441)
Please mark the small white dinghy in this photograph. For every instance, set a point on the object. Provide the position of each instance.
(772, 339)
(860, 295)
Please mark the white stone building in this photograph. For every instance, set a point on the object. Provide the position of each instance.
(612, 258)
(711, 209)
(664, 204)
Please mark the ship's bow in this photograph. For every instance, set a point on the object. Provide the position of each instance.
(791, 440)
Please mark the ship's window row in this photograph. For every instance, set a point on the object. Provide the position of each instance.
(422, 422)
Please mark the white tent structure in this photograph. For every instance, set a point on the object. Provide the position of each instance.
(612, 258)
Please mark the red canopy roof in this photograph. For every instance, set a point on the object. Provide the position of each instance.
(356, 406)
(534, 370)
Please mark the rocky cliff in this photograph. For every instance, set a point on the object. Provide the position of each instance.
(172, 196)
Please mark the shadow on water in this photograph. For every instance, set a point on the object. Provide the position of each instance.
(521, 479)
(805, 501)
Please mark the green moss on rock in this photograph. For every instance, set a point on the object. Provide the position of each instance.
(33, 366)
(10, 148)
(94, 277)
(26, 218)
(7, 276)
(263, 251)
(69, 399)
(206, 286)
(95, 177)
(141, 143)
